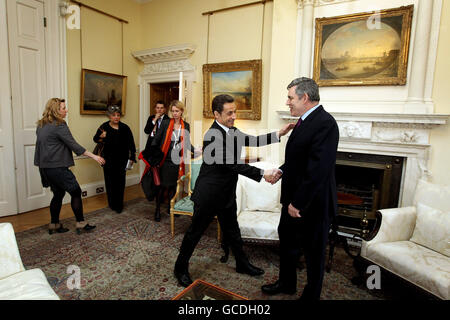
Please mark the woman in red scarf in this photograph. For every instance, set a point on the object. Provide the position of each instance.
(173, 138)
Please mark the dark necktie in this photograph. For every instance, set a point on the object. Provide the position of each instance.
(299, 122)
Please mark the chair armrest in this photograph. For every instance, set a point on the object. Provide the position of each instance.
(10, 261)
(397, 224)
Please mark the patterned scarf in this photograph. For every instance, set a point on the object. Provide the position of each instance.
(166, 145)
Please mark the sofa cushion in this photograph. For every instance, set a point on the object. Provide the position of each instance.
(259, 224)
(425, 268)
(261, 196)
(432, 229)
(27, 285)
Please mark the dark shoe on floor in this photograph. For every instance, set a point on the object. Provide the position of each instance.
(86, 228)
(157, 215)
(56, 227)
(276, 288)
(119, 211)
(183, 277)
(249, 269)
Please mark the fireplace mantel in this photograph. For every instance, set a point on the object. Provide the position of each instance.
(394, 134)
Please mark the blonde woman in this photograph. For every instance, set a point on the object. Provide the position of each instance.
(173, 140)
(53, 156)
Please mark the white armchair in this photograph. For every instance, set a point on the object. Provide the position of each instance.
(16, 283)
(414, 242)
(258, 207)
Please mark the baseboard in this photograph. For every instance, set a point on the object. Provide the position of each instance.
(98, 187)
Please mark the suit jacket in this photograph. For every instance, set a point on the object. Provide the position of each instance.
(309, 181)
(218, 176)
(149, 128)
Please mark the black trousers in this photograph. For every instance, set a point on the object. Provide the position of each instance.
(311, 235)
(115, 185)
(200, 221)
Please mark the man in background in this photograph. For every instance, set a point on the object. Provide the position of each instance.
(153, 124)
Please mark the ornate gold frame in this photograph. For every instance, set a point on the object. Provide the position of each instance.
(406, 12)
(249, 65)
(121, 81)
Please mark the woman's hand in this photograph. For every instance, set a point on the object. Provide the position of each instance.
(103, 135)
(99, 159)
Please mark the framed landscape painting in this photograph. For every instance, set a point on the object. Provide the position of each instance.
(240, 79)
(363, 49)
(100, 90)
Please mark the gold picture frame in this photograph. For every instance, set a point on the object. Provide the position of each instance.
(240, 79)
(101, 89)
(363, 49)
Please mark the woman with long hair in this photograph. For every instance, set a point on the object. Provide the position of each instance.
(174, 142)
(119, 149)
(53, 156)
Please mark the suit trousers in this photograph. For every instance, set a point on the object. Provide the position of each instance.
(201, 219)
(115, 185)
(309, 233)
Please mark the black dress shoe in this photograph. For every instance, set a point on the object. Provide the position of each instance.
(183, 278)
(249, 269)
(277, 287)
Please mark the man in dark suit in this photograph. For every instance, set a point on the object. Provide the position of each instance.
(215, 188)
(308, 190)
(153, 125)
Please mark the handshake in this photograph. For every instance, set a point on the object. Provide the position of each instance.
(272, 175)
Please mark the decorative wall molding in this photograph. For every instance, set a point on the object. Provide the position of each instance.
(163, 54)
(171, 66)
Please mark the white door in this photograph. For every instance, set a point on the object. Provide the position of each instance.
(28, 89)
(8, 198)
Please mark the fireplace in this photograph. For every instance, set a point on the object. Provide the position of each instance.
(365, 184)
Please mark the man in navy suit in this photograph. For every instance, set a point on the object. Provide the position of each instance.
(308, 190)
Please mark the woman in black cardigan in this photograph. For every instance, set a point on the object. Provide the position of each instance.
(118, 148)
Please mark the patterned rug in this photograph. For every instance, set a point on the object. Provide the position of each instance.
(129, 256)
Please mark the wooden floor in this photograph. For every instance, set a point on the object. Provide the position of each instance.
(36, 218)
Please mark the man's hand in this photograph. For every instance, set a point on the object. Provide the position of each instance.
(285, 129)
(293, 212)
(272, 175)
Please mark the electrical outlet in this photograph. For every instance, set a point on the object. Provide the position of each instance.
(84, 193)
(99, 190)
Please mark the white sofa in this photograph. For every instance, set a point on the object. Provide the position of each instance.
(16, 283)
(258, 207)
(414, 242)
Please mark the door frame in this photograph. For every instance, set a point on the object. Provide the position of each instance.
(145, 79)
(55, 57)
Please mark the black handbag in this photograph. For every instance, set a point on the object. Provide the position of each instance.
(148, 186)
(98, 150)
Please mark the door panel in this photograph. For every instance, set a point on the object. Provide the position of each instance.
(163, 91)
(8, 196)
(28, 88)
